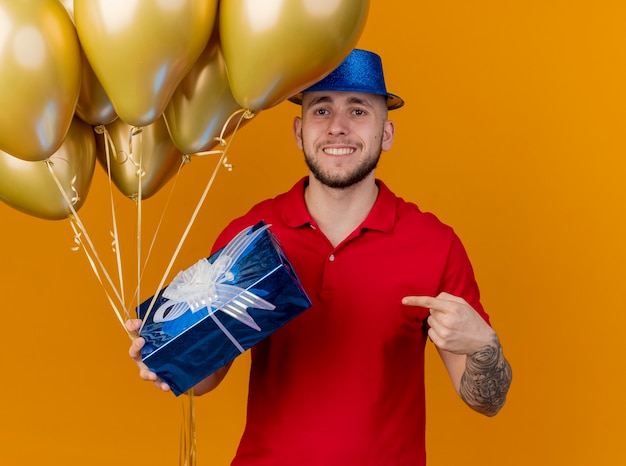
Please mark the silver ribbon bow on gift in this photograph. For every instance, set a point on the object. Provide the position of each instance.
(202, 285)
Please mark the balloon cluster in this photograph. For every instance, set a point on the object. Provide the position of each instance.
(173, 70)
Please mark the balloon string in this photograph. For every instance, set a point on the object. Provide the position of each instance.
(188, 432)
(108, 146)
(245, 114)
(140, 172)
(81, 245)
(75, 196)
(184, 161)
(91, 252)
(137, 132)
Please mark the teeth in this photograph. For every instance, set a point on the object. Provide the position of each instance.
(342, 151)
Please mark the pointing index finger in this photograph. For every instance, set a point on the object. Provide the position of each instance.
(422, 301)
(429, 302)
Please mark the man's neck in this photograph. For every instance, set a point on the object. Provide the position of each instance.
(338, 212)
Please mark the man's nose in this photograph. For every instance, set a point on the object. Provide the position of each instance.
(338, 124)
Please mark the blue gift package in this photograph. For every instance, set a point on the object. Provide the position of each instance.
(220, 307)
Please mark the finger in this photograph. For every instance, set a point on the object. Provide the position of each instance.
(132, 325)
(135, 348)
(147, 374)
(438, 340)
(436, 326)
(450, 297)
(428, 302)
(442, 303)
(162, 385)
(420, 301)
(432, 334)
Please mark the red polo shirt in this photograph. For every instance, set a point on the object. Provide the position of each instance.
(343, 383)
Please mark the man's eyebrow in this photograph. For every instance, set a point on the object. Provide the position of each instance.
(359, 101)
(320, 100)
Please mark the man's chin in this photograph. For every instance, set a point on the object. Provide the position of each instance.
(337, 182)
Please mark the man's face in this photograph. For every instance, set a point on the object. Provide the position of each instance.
(342, 135)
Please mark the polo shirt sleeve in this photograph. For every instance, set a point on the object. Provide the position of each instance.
(459, 278)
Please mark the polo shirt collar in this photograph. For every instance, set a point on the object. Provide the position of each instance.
(381, 217)
(295, 213)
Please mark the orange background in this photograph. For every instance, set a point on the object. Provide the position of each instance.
(513, 133)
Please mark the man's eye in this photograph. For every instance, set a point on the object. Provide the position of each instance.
(321, 111)
(358, 111)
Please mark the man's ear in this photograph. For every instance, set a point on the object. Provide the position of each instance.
(389, 132)
(297, 131)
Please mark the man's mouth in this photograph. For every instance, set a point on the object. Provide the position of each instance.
(338, 150)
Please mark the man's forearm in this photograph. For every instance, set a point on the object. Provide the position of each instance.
(212, 381)
(486, 379)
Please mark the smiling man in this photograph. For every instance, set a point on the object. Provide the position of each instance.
(343, 383)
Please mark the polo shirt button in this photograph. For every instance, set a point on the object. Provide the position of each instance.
(332, 258)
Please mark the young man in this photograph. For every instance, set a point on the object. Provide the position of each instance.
(343, 383)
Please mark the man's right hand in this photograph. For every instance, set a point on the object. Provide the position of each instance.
(133, 325)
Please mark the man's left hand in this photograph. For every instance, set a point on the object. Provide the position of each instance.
(454, 325)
